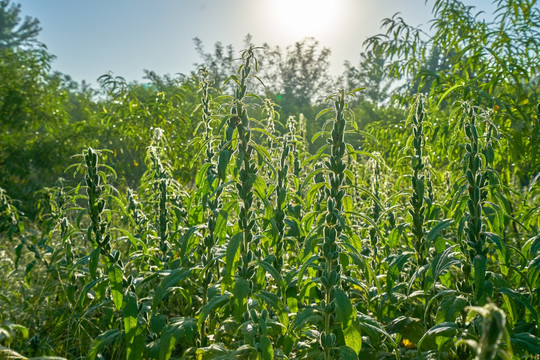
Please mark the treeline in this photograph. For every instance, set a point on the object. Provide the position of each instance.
(45, 115)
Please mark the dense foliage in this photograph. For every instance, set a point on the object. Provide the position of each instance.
(226, 219)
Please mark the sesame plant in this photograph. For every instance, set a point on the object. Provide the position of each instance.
(378, 245)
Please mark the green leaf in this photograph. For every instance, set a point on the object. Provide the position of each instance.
(266, 348)
(370, 325)
(130, 314)
(168, 284)
(355, 90)
(179, 329)
(526, 341)
(348, 204)
(240, 294)
(223, 162)
(322, 112)
(221, 224)
(185, 241)
(308, 315)
(305, 265)
(347, 353)
(259, 186)
(394, 268)
(292, 298)
(86, 290)
(442, 263)
(134, 241)
(7, 353)
(270, 299)
(115, 279)
(232, 255)
(312, 191)
(408, 327)
(94, 261)
(369, 220)
(450, 307)
(261, 150)
(272, 271)
(353, 336)
(442, 329)
(520, 298)
(344, 309)
(209, 306)
(443, 96)
(480, 264)
(102, 341)
(263, 131)
(434, 231)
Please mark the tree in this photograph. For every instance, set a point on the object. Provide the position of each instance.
(13, 33)
(31, 110)
(370, 74)
(131, 112)
(489, 61)
(220, 63)
(299, 74)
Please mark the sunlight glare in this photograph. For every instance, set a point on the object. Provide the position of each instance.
(302, 18)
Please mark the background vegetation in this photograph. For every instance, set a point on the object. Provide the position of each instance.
(251, 209)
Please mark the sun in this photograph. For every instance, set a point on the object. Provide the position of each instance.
(297, 19)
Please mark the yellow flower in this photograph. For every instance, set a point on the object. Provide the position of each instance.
(408, 344)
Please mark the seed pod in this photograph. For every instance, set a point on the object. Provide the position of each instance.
(470, 177)
(323, 340)
(330, 340)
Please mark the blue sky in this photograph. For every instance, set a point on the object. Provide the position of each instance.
(92, 37)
